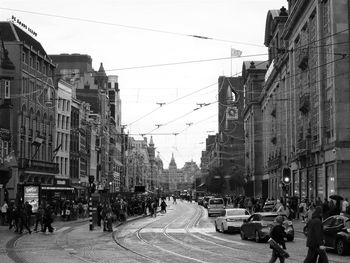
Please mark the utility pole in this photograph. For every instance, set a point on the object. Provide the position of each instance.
(92, 188)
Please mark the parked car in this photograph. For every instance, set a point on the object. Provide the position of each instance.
(231, 220)
(258, 226)
(206, 200)
(269, 206)
(200, 200)
(336, 231)
(216, 206)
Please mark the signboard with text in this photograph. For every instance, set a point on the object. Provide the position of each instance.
(31, 195)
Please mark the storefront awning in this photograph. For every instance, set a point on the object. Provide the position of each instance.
(79, 187)
(57, 188)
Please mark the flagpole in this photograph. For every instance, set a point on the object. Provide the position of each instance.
(231, 61)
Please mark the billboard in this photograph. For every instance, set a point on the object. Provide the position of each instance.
(31, 195)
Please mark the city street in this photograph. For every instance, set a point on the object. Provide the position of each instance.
(183, 234)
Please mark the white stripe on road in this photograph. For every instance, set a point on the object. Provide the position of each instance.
(218, 238)
(62, 229)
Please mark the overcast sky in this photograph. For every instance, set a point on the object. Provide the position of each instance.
(138, 39)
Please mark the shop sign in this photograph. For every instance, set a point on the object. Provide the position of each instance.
(60, 182)
(31, 195)
(24, 26)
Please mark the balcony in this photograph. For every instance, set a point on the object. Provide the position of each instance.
(304, 103)
(303, 146)
(274, 162)
(38, 166)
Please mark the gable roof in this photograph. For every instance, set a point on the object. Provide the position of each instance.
(10, 32)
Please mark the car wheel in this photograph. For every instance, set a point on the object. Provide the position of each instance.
(340, 247)
(243, 237)
(257, 237)
(222, 228)
(290, 238)
(216, 228)
(305, 230)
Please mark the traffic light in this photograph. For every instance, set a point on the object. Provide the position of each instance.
(92, 188)
(286, 176)
(91, 179)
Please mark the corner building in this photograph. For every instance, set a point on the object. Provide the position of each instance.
(307, 86)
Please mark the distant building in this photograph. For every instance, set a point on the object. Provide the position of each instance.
(253, 74)
(230, 140)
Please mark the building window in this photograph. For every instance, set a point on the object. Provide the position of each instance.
(66, 142)
(24, 57)
(63, 121)
(7, 89)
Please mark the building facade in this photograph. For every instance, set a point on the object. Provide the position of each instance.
(306, 87)
(33, 119)
(230, 141)
(253, 74)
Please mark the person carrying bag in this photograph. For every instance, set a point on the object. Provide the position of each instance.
(315, 239)
(277, 243)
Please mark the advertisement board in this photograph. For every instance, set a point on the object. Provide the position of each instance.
(31, 195)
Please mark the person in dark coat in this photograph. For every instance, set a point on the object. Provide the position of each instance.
(39, 218)
(278, 234)
(23, 219)
(48, 219)
(315, 238)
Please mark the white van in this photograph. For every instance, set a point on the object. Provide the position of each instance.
(216, 206)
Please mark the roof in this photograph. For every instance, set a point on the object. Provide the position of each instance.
(11, 33)
(260, 65)
(270, 22)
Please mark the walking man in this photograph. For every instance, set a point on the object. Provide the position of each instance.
(315, 238)
(278, 234)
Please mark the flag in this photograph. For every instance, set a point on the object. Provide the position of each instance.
(10, 160)
(235, 52)
(55, 151)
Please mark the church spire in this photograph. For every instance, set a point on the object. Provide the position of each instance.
(172, 162)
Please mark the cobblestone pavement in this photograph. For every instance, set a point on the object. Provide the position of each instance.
(183, 234)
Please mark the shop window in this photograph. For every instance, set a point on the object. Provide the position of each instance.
(7, 89)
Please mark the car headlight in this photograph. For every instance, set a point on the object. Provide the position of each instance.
(230, 220)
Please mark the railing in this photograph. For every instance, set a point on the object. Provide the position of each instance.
(38, 166)
(303, 146)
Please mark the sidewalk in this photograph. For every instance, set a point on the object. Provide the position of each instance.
(7, 235)
(298, 225)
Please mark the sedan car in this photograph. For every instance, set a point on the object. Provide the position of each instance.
(269, 206)
(216, 206)
(231, 220)
(258, 226)
(336, 230)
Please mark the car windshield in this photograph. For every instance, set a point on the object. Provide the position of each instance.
(235, 212)
(269, 218)
(216, 201)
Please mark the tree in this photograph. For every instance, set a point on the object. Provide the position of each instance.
(215, 180)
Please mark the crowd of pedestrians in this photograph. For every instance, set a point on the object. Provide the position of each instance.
(20, 217)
